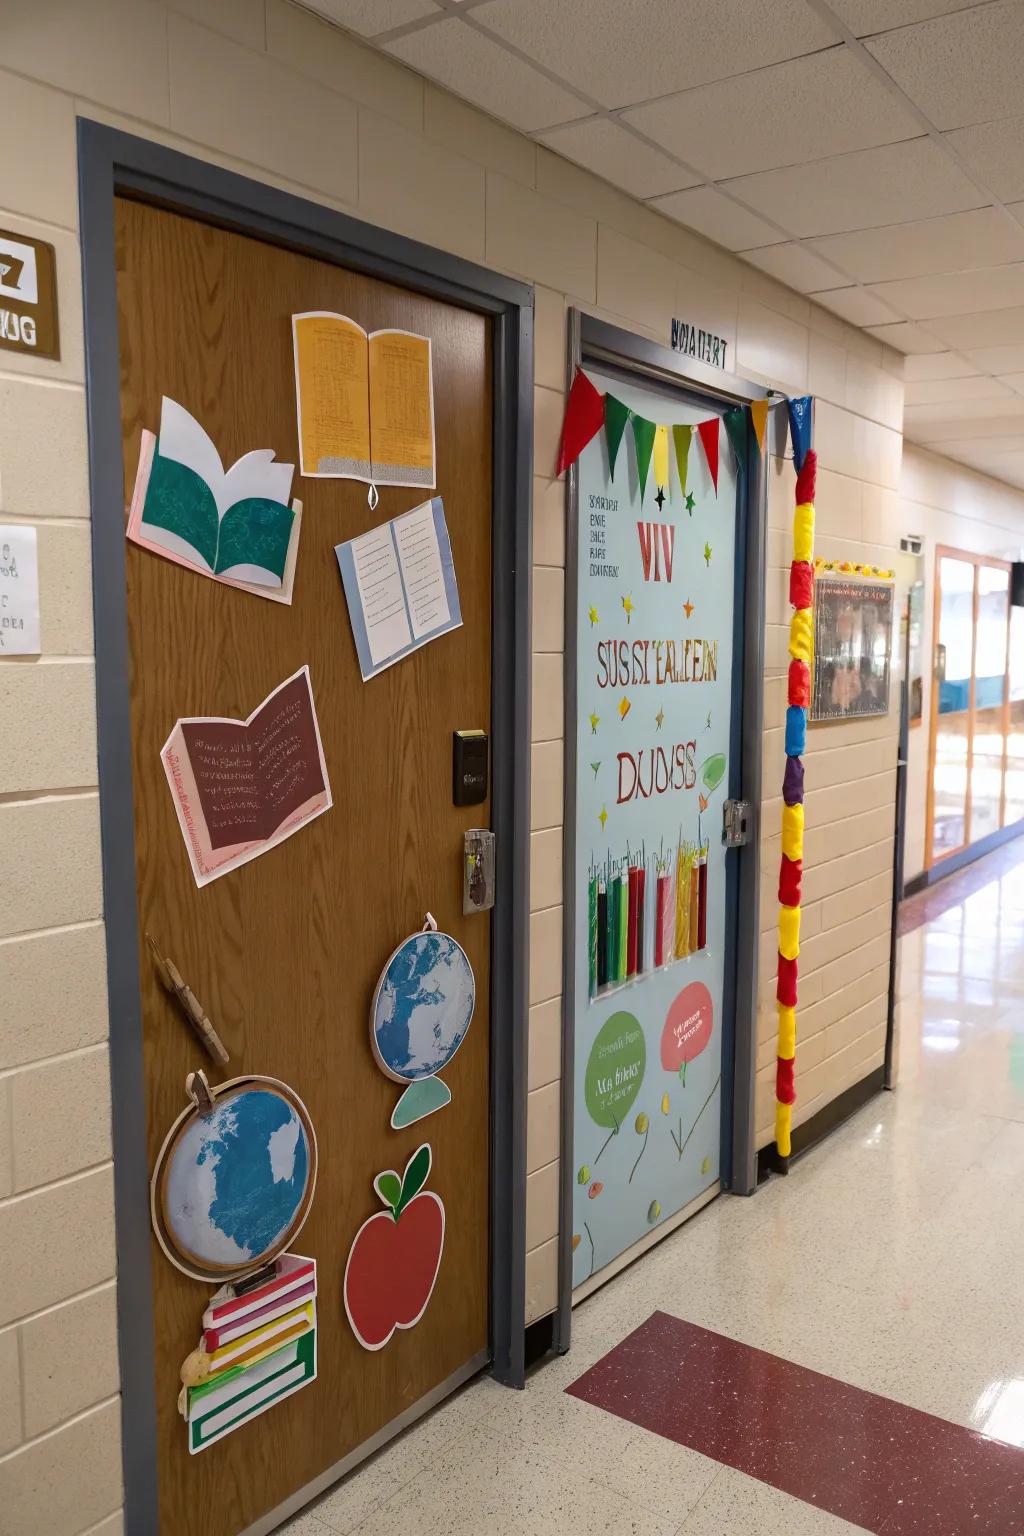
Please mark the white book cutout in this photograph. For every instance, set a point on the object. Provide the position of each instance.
(234, 525)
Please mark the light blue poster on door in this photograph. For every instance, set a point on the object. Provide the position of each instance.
(654, 649)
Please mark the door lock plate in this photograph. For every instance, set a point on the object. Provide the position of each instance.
(736, 823)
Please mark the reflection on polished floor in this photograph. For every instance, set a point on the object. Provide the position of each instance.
(890, 1259)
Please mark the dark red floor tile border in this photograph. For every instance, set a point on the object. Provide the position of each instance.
(865, 1458)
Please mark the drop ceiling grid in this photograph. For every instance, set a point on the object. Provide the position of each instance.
(886, 157)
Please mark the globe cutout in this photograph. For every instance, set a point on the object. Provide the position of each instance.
(422, 1007)
(232, 1188)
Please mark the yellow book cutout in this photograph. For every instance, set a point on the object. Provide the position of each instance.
(365, 402)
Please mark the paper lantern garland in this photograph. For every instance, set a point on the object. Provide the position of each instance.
(801, 647)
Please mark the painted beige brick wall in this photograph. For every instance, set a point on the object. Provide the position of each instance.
(263, 88)
(948, 504)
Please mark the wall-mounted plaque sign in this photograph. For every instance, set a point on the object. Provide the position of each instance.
(692, 341)
(28, 296)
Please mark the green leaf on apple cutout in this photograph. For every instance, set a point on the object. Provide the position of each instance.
(414, 1178)
(389, 1187)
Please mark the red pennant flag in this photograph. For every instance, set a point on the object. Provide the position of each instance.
(584, 418)
(709, 432)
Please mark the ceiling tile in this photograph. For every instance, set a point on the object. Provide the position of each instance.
(863, 17)
(969, 333)
(369, 17)
(950, 418)
(625, 54)
(995, 152)
(1015, 381)
(619, 157)
(905, 337)
(998, 360)
(802, 110)
(954, 293)
(855, 305)
(864, 190)
(795, 265)
(480, 70)
(931, 391)
(717, 217)
(984, 237)
(937, 365)
(964, 68)
(961, 447)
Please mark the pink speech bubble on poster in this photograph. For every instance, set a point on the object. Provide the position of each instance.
(687, 1027)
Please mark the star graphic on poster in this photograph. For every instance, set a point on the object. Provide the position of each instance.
(624, 707)
(691, 502)
(595, 767)
(688, 607)
(707, 723)
(593, 616)
(660, 498)
(660, 718)
(628, 605)
(707, 554)
(603, 817)
(595, 721)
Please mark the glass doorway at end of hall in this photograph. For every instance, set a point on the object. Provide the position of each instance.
(976, 757)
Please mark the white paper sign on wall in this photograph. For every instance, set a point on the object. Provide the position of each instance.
(19, 592)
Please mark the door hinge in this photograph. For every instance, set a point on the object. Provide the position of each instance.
(736, 823)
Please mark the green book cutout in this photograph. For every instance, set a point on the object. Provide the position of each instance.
(231, 1398)
(234, 525)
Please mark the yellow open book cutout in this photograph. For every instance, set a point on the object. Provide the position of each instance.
(365, 402)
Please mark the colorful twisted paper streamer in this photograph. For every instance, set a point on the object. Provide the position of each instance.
(801, 649)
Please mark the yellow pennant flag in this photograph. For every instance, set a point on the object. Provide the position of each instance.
(660, 457)
(759, 416)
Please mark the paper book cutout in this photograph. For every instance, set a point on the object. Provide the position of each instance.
(233, 525)
(365, 402)
(226, 1386)
(400, 586)
(215, 1408)
(395, 1256)
(235, 1177)
(420, 1014)
(240, 787)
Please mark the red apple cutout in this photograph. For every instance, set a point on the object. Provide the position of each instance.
(395, 1256)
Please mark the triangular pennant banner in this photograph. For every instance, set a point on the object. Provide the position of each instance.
(759, 416)
(643, 437)
(660, 457)
(736, 426)
(615, 417)
(681, 437)
(801, 415)
(709, 432)
(584, 417)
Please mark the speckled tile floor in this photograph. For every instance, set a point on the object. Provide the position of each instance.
(890, 1259)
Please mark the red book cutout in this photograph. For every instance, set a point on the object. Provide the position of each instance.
(292, 1272)
(395, 1256)
(709, 433)
(584, 418)
(242, 786)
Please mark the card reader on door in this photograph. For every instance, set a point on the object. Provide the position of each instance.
(469, 767)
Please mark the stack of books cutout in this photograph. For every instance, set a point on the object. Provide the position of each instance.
(258, 1347)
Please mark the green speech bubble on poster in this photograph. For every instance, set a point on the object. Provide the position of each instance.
(615, 1070)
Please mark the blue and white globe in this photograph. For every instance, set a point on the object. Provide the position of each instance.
(423, 1007)
(236, 1180)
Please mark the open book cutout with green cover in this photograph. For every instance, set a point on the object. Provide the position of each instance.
(234, 525)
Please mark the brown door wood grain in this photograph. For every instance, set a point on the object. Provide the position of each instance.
(284, 953)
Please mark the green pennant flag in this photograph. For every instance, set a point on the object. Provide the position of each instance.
(681, 437)
(643, 437)
(615, 417)
(736, 426)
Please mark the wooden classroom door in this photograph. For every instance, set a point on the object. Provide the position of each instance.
(284, 952)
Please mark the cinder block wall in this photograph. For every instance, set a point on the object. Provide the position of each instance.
(265, 89)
